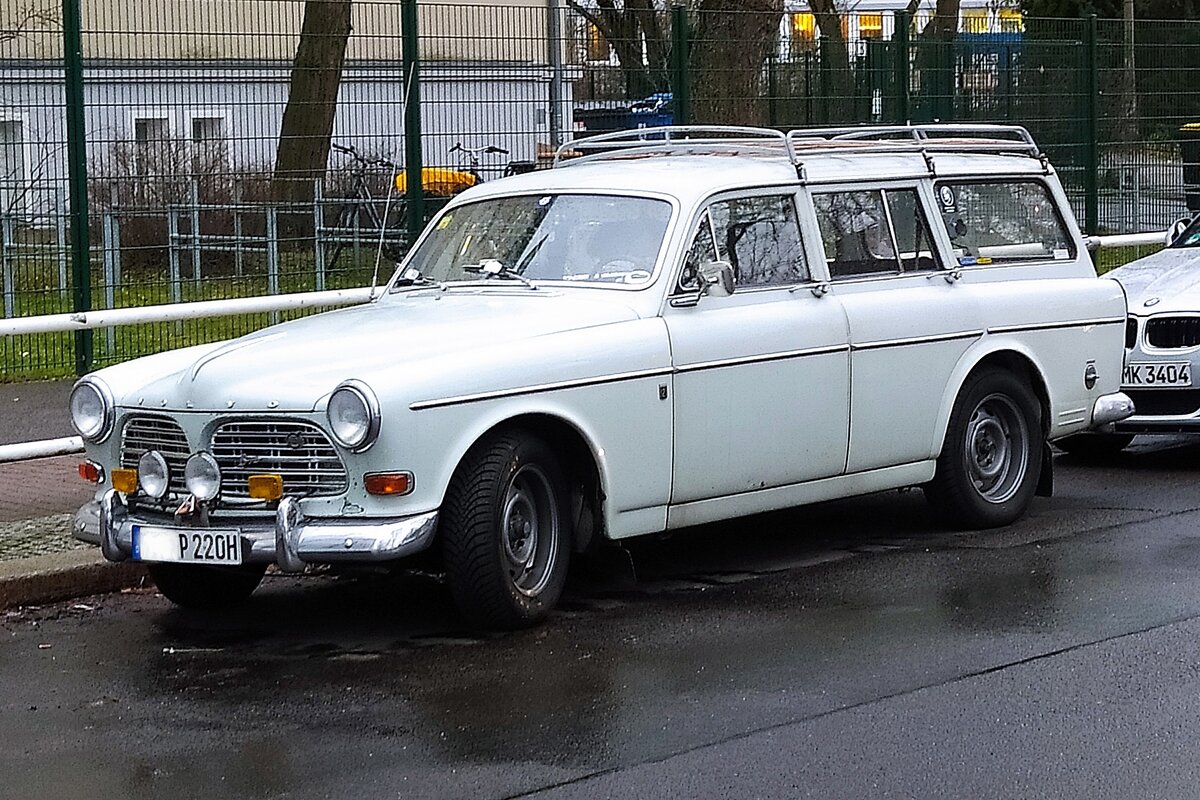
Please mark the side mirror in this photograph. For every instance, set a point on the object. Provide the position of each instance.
(716, 279)
(1176, 230)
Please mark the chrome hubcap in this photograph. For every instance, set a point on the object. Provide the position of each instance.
(996, 448)
(529, 526)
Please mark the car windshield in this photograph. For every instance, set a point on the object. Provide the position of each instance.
(546, 237)
(1190, 236)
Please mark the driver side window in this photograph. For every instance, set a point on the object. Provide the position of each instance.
(759, 236)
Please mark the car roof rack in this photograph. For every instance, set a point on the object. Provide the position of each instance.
(924, 140)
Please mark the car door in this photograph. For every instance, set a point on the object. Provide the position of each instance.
(761, 388)
(910, 321)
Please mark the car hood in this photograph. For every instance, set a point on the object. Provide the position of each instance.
(1169, 280)
(294, 365)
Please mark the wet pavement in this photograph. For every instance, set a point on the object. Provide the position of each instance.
(851, 649)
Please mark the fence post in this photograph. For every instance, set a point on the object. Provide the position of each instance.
(6, 266)
(237, 226)
(1091, 153)
(194, 197)
(115, 208)
(273, 257)
(319, 231)
(413, 159)
(554, 40)
(901, 65)
(60, 237)
(81, 268)
(173, 254)
(681, 90)
(107, 224)
(772, 92)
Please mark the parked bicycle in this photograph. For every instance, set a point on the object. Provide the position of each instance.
(364, 216)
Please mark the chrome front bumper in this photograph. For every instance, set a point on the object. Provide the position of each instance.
(290, 540)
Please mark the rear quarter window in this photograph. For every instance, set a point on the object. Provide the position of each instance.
(1002, 222)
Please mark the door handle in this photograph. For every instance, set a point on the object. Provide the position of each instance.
(952, 275)
(819, 289)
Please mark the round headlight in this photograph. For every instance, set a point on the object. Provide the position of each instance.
(353, 415)
(202, 476)
(154, 476)
(91, 409)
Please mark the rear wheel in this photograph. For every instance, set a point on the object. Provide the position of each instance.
(990, 463)
(1094, 445)
(203, 587)
(505, 531)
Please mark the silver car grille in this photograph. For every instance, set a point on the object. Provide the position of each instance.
(163, 434)
(1173, 332)
(299, 451)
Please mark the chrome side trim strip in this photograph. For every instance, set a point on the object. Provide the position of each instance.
(1047, 326)
(539, 388)
(944, 337)
(733, 362)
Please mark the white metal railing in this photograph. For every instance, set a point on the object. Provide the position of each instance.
(57, 323)
(105, 318)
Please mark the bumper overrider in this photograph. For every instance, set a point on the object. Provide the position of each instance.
(1110, 409)
(290, 540)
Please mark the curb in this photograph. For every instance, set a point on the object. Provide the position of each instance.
(64, 576)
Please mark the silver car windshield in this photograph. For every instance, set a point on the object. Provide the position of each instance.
(1190, 236)
(582, 238)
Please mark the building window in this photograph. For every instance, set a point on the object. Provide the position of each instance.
(870, 26)
(151, 146)
(1011, 21)
(209, 146)
(596, 45)
(804, 31)
(13, 168)
(975, 20)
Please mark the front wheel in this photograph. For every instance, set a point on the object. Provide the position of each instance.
(505, 531)
(991, 460)
(203, 587)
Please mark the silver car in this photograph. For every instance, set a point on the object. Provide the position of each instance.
(1162, 344)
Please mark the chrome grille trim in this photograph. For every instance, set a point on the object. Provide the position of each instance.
(299, 451)
(143, 433)
(1173, 332)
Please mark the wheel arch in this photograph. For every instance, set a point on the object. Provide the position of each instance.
(1011, 356)
(582, 461)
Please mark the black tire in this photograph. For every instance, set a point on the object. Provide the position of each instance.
(991, 460)
(505, 531)
(1094, 445)
(206, 588)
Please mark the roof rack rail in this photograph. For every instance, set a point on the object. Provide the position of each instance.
(671, 138)
(959, 137)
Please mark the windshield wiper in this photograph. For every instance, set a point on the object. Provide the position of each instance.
(491, 268)
(413, 277)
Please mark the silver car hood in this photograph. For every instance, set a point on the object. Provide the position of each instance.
(293, 366)
(1167, 281)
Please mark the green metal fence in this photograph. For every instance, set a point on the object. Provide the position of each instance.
(226, 148)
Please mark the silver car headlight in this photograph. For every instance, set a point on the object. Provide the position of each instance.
(202, 476)
(154, 476)
(353, 413)
(92, 409)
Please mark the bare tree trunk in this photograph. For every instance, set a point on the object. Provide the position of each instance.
(307, 126)
(622, 28)
(1127, 101)
(836, 79)
(732, 42)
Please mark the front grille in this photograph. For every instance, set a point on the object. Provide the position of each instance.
(299, 451)
(1164, 402)
(163, 434)
(1173, 332)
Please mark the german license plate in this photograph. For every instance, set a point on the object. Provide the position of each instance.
(186, 545)
(1157, 373)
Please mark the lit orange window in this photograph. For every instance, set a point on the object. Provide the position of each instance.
(1011, 21)
(870, 26)
(975, 21)
(597, 45)
(804, 30)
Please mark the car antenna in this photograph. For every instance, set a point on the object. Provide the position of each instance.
(387, 204)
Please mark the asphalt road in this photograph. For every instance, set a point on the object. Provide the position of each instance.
(846, 650)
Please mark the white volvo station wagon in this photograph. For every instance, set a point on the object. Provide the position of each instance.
(673, 326)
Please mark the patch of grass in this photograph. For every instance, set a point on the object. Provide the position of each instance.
(1109, 258)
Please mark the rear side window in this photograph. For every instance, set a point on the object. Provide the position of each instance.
(1003, 222)
(874, 232)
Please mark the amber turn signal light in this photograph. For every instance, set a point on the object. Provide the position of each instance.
(124, 480)
(265, 487)
(388, 483)
(91, 472)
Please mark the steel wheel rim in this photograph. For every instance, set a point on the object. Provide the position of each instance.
(996, 448)
(529, 527)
